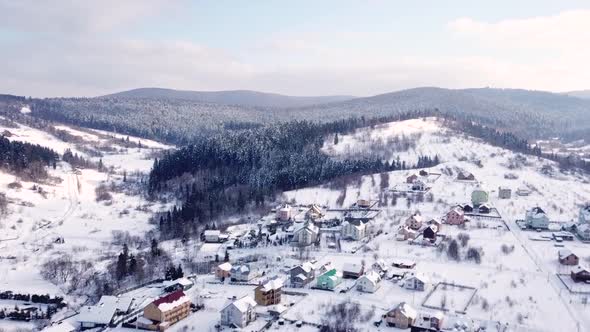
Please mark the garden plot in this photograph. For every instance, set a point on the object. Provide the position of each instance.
(450, 297)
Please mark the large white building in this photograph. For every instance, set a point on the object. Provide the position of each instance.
(305, 235)
(239, 313)
(369, 282)
(353, 230)
(536, 218)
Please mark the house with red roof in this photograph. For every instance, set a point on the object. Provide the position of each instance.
(165, 311)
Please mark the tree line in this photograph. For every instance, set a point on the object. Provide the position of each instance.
(25, 159)
(225, 173)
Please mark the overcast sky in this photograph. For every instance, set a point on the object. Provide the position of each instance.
(89, 48)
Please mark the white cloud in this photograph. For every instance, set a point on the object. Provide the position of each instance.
(82, 48)
(566, 32)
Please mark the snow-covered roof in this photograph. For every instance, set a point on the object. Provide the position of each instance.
(580, 269)
(243, 269)
(225, 266)
(212, 232)
(380, 264)
(564, 253)
(416, 216)
(278, 308)
(458, 210)
(407, 310)
(272, 284)
(301, 276)
(419, 276)
(354, 268)
(183, 282)
(536, 212)
(243, 304)
(171, 301)
(103, 312)
(372, 276)
(309, 227)
(308, 266)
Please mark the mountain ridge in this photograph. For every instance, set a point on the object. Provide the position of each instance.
(229, 97)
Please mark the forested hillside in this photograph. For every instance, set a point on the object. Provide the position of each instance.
(24, 159)
(236, 97)
(224, 174)
(529, 114)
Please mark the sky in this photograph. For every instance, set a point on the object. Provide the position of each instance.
(330, 47)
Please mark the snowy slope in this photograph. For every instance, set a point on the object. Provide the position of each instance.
(520, 287)
(68, 209)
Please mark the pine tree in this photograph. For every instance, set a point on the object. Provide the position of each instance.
(155, 251)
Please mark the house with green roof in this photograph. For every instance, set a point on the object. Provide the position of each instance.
(329, 280)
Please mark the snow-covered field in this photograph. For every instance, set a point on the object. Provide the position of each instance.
(66, 207)
(518, 286)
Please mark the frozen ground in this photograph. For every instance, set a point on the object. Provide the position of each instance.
(67, 207)
(517, 286)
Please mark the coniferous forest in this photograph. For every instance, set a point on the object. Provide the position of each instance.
(25, 159)
(226, 173)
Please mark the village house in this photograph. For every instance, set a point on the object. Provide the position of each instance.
(563, 236)
(580, 273)
(419, 185)
(479, 196)
(436, 222)
(211, 236)
(178, 284)
(410, 179)
(369, 282)
(353, 230)
(456, 216)
(402, 316)
(223, 270)
(405, 233)
(302, 275)
(567, 257)
(484, 208)
(284, 213)
(363, 203)
(429, 233)
(404, 264)
(305, 234)
(380, 267)
(584, 217)
(329, 280)
(536, 218)
(352, 270)
(239, 313)
(423, 173)
(583, 231)
(465, 176)
(165, 311)
(467, 208)
(269, 293)
(428, 322)
(414, 221)
(416, 281)
(103, 313)
(504, 193)
(314, 212)
(242, 273)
